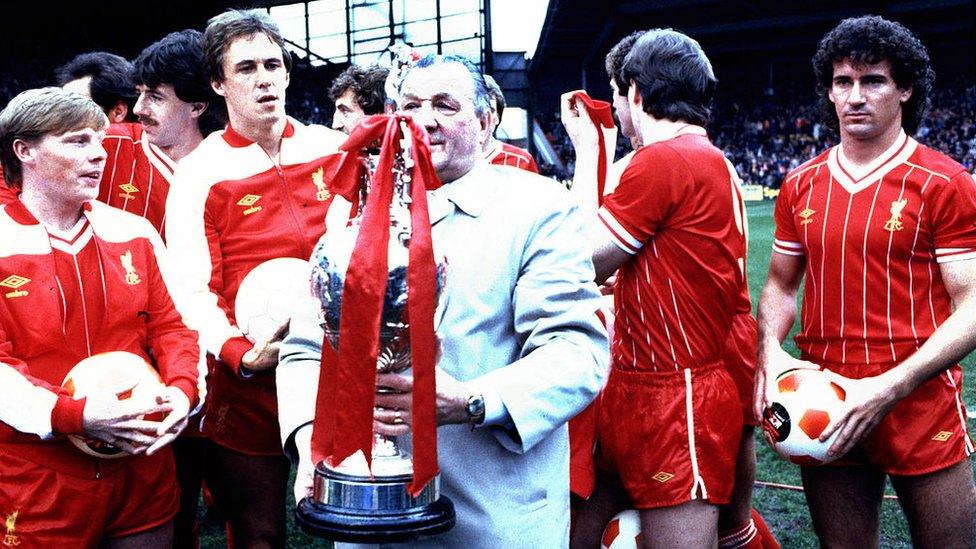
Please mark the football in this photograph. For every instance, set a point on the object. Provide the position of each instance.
(802, 403)
(622, 532)
(123, 374)
(270, 294)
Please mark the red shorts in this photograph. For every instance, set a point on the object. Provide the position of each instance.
(582, 438)
(242, 414)
(663, 455)
(42, 507)
(924, 432)
(740, 362)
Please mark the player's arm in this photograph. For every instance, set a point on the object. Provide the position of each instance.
(195, 252)
(33, 406)
(776, 315)
(872, 398)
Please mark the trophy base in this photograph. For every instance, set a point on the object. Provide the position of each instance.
(357, 509)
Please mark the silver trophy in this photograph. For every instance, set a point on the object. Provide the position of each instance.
(348, 503)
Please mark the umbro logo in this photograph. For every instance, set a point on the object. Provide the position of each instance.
(248, 203)
(128, 189)
(663, 477)
(942, 436)
(15, 282)
(807, 216)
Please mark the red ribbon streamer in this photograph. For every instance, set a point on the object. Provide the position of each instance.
(344, 418)
(601, 113)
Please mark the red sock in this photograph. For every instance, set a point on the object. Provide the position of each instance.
(743, 536)
(768, 541)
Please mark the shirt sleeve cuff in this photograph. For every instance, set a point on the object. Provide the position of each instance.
(232, 352)
(67, 416)
(189, 389)
(495, 411)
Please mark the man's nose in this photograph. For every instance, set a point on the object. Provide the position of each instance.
(140, 107)
(855, 96)
(264, 76)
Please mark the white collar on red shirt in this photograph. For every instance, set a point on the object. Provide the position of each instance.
(856, 178)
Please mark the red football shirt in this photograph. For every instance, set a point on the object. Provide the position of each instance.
(137, 174)
(509, 155)
(679, 212)
(873, 242)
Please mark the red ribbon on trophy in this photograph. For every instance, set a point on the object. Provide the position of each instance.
(347, 380)
(601, 113)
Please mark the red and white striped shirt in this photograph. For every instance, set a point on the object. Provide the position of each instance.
(503, 154)
(137, 174)
(678, 210)
(873, 291)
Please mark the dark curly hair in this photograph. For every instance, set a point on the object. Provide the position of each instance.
(177, 60)
(367, 84)
(615, 59)
(868, 40)
(673, 75)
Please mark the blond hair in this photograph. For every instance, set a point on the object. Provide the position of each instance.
(33, 114)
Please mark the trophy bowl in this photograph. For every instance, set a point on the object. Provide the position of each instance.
(352, 502)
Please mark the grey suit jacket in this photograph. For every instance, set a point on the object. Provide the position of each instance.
(517, 318)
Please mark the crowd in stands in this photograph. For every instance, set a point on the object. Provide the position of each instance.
(766, 137)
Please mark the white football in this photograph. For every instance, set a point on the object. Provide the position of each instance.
(123, 374)
(622, 532)
(802, 404)
(270, 294)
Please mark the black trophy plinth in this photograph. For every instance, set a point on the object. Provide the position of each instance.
(357, 509)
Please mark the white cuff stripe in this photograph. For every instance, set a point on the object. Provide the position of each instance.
(624, 238)
(797, 253)
(955, 257)
(788, 244)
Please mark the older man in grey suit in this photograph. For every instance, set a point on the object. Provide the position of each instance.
(518, 330)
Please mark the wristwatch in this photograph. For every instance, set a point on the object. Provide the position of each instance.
(476, 409)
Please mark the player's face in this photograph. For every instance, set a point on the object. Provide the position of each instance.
(622, 110)
(348, 113)
(255, 80)
(66, 168)
(166, 118)
(441, 98)
(866, 99)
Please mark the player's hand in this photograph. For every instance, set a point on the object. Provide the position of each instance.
(305, 475)
(769, 365)
(869, 400)
(119, 422)
(176, 406)
(263, 357)
(579, 126)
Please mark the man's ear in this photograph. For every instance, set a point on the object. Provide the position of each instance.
(23, 150)
(906, 93)
(218, 87)
(197, 108)
(634, 96)
(486, 128)
(118, 113)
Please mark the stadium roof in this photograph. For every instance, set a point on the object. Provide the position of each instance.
(578, 33)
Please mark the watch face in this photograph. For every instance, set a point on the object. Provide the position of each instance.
(476, 407)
